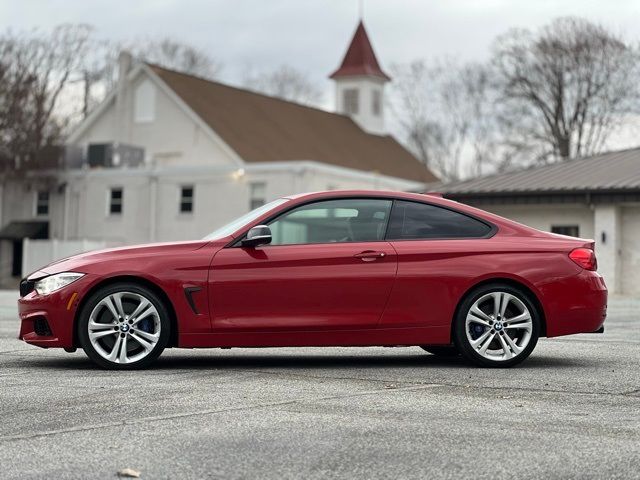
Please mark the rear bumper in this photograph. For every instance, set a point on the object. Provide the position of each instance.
(56, 309)
(576, 304)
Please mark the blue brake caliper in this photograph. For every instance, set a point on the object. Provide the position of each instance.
(146, 325)
(477, 330)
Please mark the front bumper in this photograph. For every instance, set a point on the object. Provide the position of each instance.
(56, 310)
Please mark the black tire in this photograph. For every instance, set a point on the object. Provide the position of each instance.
(462, 341)
(100, 294)
(442, 351)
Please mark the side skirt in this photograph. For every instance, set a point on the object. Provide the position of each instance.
(439, 335)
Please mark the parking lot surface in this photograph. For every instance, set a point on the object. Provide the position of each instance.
(570, 411)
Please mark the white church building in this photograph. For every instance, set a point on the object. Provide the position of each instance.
(170, 156)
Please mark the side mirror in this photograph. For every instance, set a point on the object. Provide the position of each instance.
(258, 235)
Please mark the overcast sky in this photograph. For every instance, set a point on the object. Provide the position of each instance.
(313, 34)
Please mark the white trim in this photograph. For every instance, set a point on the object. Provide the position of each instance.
(300, 165)
(296, 166)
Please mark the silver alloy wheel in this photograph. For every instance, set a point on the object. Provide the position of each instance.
(499, 326)
(124, 327)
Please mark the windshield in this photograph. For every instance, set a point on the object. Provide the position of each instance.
(244, 220)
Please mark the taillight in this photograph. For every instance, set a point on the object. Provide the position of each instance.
(584, 257)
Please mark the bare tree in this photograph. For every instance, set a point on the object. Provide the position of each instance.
(99, 71)
(287, 83)
(36, 69)
(171, 53)
(445, 114)
(564, 89)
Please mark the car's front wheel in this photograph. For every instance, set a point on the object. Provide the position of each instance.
(123, 326)
(497, 325)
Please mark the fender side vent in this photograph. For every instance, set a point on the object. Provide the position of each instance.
(188, 292)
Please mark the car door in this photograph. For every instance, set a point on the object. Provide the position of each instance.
(327, 267)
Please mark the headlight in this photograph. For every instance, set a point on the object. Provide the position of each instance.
(49, 284)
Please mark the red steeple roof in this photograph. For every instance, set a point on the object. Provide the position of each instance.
(360, 58)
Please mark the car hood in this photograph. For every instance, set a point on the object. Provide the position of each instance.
(81, 261)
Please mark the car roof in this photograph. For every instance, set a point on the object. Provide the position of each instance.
(358, 193)
(418, 197)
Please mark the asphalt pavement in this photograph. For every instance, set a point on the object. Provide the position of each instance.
(572, 410)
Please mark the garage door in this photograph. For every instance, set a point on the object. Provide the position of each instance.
(630, 281)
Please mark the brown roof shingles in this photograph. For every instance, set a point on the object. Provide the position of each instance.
(260, 128)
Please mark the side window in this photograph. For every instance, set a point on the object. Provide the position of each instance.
(350, 100)
(570, 230)
(413, 221)
(186, 199)
(115, 201)
(332, 221)
(376, 103)
(42, 203)
(257, 194)
(145, 103)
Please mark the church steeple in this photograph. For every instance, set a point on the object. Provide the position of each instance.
(360, 84)
(360, 58)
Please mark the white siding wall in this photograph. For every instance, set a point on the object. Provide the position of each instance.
(630, 250)
(18, 202)
(38, 253)
(93, 219)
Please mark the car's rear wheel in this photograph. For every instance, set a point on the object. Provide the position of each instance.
(123, 326)
(442, 351)
(497, 325)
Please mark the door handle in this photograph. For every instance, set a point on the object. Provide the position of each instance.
(369, 255)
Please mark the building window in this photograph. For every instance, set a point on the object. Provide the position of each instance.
(376, 105)
(144, 103)
(186, 199)
(115, 201)
(350, 100)
(257, 194)
(569, 230)
(42, 203)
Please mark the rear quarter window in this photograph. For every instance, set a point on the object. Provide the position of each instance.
(414, 221)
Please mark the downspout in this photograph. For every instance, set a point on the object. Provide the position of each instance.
(65, 221)
(153, 200)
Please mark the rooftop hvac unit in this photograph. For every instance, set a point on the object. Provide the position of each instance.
(114, 155)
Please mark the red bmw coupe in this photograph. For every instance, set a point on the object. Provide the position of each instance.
(350, 268)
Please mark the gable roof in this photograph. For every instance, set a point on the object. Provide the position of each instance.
(360, 58)
(260, 128)
(606, 172)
